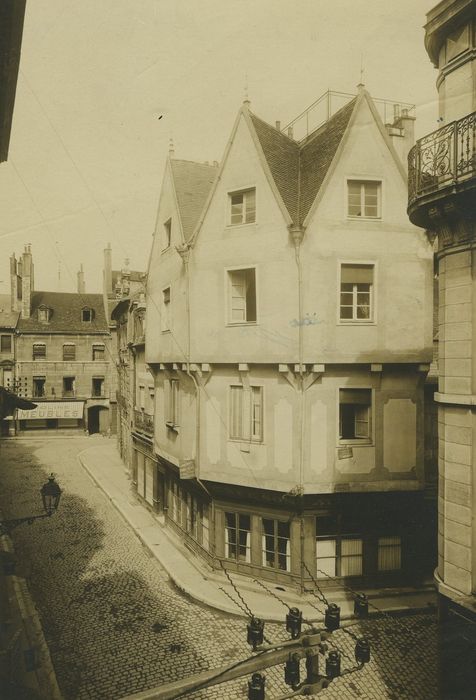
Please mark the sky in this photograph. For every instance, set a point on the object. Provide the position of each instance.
(105, 84)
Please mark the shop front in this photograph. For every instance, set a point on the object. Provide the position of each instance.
(59, 416)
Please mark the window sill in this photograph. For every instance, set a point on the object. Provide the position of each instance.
(355, 442)
(172, 426)
(246, 441)
(166, 330)
(363, 218)
(356, 322)
(232, 226)
(241, 323)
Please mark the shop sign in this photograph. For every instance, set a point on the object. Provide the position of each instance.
(187, 469)
(53, 409)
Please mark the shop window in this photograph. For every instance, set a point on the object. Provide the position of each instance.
(356, 293)
(98, 351)
(355, 414)
(389, 554)
(276, 544)
(69, 387)
(246, 413)
(5, 343)
(242, 207)
(363, 199)
(69, 352)
(39, 387)
(242, 296)
(39, 351)
(238, 537)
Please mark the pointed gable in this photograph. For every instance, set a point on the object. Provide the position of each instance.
(299, 169)
(282, 156)
(192, 182)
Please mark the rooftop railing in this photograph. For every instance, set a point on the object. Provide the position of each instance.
(444, 158)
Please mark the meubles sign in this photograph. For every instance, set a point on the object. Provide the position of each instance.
(53, 409)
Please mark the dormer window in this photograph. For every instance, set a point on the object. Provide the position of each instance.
(242, 207)
(44, 314)
(87, 315)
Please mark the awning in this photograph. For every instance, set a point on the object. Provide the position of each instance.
(53, 409)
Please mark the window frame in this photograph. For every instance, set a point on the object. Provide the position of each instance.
(397, 546)
(73, 390)
(40, 357)
(2, 338)
(276, 553)
(356, 441)
(246, 414)
(166, 316)
(34, 379)
(372, 321)
(91, 312)
(362, 181)
(97, 346)
(102, 393)
(167, 234)
(69, 359)
(228, 295)
(172, 408)
(230, 194)
(237, 544)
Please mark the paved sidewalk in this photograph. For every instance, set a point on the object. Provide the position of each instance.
(199, 581)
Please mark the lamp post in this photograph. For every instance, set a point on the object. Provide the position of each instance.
(50, 496)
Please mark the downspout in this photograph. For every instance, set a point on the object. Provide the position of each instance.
(297, 236)
(184, 252)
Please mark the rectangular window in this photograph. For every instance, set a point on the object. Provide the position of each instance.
(69, 387)
(5, 343)
(326, 557)
(389, 554)
(242, 296)
(243, 207)
(167, 234)
(98, 387)
(69, 352)
(356, 292)
(350, 557)
(337, 554)
(238, 537)
(98, 352)
(363, 199)
(173, 404)
(276, 544)
(166, 309)
(355, 413)
(39, 351)
(246, 413)
(39, 387)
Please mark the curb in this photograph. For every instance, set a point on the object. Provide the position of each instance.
(225, 607)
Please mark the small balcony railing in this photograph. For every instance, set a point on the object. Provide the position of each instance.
(444, 158)
(144, 422)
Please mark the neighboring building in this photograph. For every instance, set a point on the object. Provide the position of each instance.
(136, 400)
(289, 331)
(442, 199)
(62, 354)
(12, 13)
(8, 323)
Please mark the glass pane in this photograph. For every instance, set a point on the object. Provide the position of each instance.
(283, 529)
(363, 312)
(346, 298)
(245, 522)
(351, 547)
(346, 312)
(325, 548)
(351, 566)
(250, 199)
(355, 209)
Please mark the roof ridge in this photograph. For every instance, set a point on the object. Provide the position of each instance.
(278, 131)
(194, 162)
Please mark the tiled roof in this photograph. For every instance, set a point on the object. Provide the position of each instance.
(66, 316)
(193, 182)
(8, 318)
(299, 169)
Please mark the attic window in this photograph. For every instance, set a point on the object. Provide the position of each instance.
(363, 199)
(243, 207)
(87, 315)
(44, 314)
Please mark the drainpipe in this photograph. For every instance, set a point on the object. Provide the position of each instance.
(297, 233)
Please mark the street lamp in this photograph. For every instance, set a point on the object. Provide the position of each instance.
(50, 496)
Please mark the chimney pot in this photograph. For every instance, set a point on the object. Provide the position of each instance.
(290, 132)
(278, 125)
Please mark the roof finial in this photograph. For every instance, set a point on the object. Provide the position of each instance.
(171, 147)
(361, 84)
(246, 101)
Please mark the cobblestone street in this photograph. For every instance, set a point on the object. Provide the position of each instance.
(115, 625)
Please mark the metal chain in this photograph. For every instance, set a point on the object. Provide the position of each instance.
(245, 606)
(321, 595)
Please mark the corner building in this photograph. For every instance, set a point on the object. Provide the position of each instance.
(442, 199)
(289, 331)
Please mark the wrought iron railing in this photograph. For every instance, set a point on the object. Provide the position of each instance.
(443, 158)
(144, 421)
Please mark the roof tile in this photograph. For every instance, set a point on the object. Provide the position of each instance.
(193, 182)
(66, 317)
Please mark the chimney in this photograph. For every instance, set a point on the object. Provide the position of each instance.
(278, 125)
(402, 133)
(81, 285)
(290, 132)
(26, 282)
(107, 272)
(13, 283)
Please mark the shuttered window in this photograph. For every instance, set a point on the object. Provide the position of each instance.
(246, 413)
(355, 414)
(243, 207)
(69, 352)
(39, 351)
(389, 554)
(242, 296)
